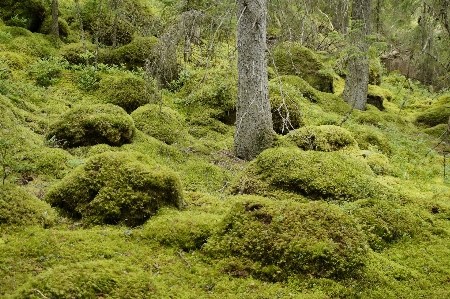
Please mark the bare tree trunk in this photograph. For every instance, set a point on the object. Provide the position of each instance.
(55, 27)
(254, 130)
(357, 80)
(97, 33)
(83, 40)
(115, 5)
(340, 16)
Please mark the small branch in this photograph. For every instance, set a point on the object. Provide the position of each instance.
(40, 293)
(180, 253)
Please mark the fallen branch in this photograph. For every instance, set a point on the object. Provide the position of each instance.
(180, 253)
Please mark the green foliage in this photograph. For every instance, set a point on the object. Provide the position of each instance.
(293, 59)
(47, 72)
(161, 122)
(283, 238)
(32, 45)
(324, 138)
(15, 61)
(117, 187)
(63, 27)
(28, 13)
(88, 78)
(18, 209)
(92, 124)
(437, 113)
(74, 53)
(127, 91)
(332, 176)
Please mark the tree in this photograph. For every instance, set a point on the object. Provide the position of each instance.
(254, 131)
(357, 80)
(55, 27)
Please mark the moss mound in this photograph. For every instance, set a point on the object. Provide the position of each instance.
(369, 137)
(74, 53)
(126, 91)
(438, 113)
(316, 175)
(379, 163)
(116, 187)
(160, 122)
(436, 131)
(294, 59)
(93, 124)
(282, 238)
(286, 114)
(324, 138)
(19, 208)
(133, 54)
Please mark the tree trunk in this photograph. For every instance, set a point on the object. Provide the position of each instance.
(340, 15)
(357, 80)
(254, 130)
(55, 27)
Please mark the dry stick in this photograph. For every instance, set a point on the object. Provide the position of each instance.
(180, 253)
(40, 293)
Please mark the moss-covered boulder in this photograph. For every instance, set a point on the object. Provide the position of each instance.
(286, 113)
(116, 187)
(376, 95)
(28, 13)
(128, 92)
(294, 59)
(379, 163)
(317, 175)
(326, 138)
(19, 208)
(277, 239)
(370, 137)
(93, 124)
(160, 122)
(133, 54)
(437, 113)
(74, 53)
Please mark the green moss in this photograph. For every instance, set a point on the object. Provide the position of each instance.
(201, 176)
(93, 124)
(15, 61)
(117, 187)
(438, 113)
(283, 238)
(74, 53)
(186, 230)
(36, 45)
(161, 122)
(379, 163)
(369, 137)
(294, 59)
(18, 208)
(324, 138)
(128, 92)
(316, 175)
(286, 114)
(384, 222)
(64, 29)
(437, 130)
(133, 54)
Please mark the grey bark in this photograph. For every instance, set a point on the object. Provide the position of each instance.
(254, 129)
(357, 80)
(55, 26)
(340, 16)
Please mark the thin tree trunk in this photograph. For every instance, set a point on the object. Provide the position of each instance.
(115, 4)
(97, 33)
(254, 130)
(83, 40)
(55, 26)
(357, 80)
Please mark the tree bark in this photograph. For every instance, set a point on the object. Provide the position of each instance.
(357, 80)
(254, 129)
(55, 26)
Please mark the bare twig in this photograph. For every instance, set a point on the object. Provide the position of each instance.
(180, 253)
(40, 293)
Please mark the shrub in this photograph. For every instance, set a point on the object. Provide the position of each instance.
(438, 113)
(294, 59)
(19, 208)
(115, 187)
(93, 124)
(324, 138)
(283, 238)
(126, 91)
(48, 71)
(160, 122)
(316, 175)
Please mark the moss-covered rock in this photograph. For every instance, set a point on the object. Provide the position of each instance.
(280, 239)
(324, 138)
(286, 114)
(384, 222)
(436, 131)
(379, 163)
(15, 61)
(128, 92)
(369, 137)
(116, 187)
(74, 53)
(294, 59)
(437, 113)
(133, 54)
(316, 175)
(160, 122)
(376, 95)
(93, 124)
(63, 27)
(19, 208)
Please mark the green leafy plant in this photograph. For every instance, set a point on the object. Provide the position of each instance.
(47, 71)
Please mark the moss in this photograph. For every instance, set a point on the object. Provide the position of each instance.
(437, 130)
(379, 163)
(316, 175)
(186, 230)
(116, 187)
(128, 92)
(133, 54)
(36, 45)
(282, 238)
(15, 61)
(369, 137)
(438, 113)
(161, 122)
(201, 176)
(93, 124)
(324, 138)
(377, 95)
(64, 29)
(294, 59)
(286, 114)
(74, 52)
(384, 222)
(18, 209)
